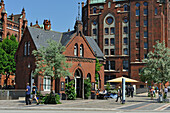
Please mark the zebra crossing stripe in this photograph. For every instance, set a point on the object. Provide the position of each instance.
(162, 107)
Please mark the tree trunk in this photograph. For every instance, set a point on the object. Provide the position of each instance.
(51, 85)
(6, 81)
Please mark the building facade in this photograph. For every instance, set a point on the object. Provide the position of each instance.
(126, 31)
(81, 51)
(11, 25)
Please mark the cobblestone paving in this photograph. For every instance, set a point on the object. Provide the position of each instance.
(139, 102)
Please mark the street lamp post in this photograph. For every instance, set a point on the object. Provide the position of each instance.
(146, 86)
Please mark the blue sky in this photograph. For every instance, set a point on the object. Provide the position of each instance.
(62, 13)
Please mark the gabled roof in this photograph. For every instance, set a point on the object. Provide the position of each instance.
(40, 37)
(94, 46)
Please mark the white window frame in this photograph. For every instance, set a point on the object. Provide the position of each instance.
(46, 83)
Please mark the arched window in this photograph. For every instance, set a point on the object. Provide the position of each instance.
(137, 4)
(67, 79)
(76, 49)
(25, 49)
(109, 4)
(125, 7)
(28, 48)
(81, 50)
(94, 10)
(145, 4)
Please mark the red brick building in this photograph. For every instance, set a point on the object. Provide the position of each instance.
(81, 51)
(126, 31)
(12, 24)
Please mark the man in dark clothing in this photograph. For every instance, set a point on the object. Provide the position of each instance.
(119, 94)
(128, 91)
(28, 91)
(131, 90)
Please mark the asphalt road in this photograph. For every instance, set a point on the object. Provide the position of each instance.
(51, 111)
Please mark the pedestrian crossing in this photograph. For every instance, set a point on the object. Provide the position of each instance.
(146, 106)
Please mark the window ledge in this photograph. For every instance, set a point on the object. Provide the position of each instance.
(125, 70)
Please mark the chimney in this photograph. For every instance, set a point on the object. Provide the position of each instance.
(82, 4)
(2, 4)
(37, 22)
(47, 25)
(12, 17)
(68, 30)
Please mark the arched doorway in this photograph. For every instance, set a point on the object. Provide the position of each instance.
(78, 83)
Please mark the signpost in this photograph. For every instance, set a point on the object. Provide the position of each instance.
(123, 91)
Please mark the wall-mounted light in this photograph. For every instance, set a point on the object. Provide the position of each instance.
(29, 65)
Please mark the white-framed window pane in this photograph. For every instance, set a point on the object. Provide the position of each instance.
(137, 12)
(28, 48)
(146, 45)
(145, 11)
(47, 83)
(137, 34)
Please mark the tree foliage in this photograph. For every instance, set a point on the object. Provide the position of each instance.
(157, 67)
(50, 61)
(70, 90)
(87, 89)
(8, 49)
(98, 68)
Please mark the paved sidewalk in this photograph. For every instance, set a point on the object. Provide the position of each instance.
(79, 104)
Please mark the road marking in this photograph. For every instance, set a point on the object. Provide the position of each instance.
(162, 107)
(126, 106)
(142, 106)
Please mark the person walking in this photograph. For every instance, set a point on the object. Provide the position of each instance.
(166, 92)
(128, 91)
(119, 94)
(131, 90)
(34, 93)
(28, 91)
(152, 93)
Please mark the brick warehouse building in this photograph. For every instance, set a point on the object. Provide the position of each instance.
(126, 31)
(81, 51)
(12, 24)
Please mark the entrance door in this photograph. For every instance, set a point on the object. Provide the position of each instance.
(79, 88)
(79, 83)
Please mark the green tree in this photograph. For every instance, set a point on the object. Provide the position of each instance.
(87, 89)
(8, 49)
(98, 68)
(70, 90)
(157, 65)
(51, 62)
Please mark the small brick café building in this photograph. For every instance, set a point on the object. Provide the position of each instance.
(81, 51)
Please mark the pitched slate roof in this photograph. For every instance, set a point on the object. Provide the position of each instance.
(40, 37)
(94, 46)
